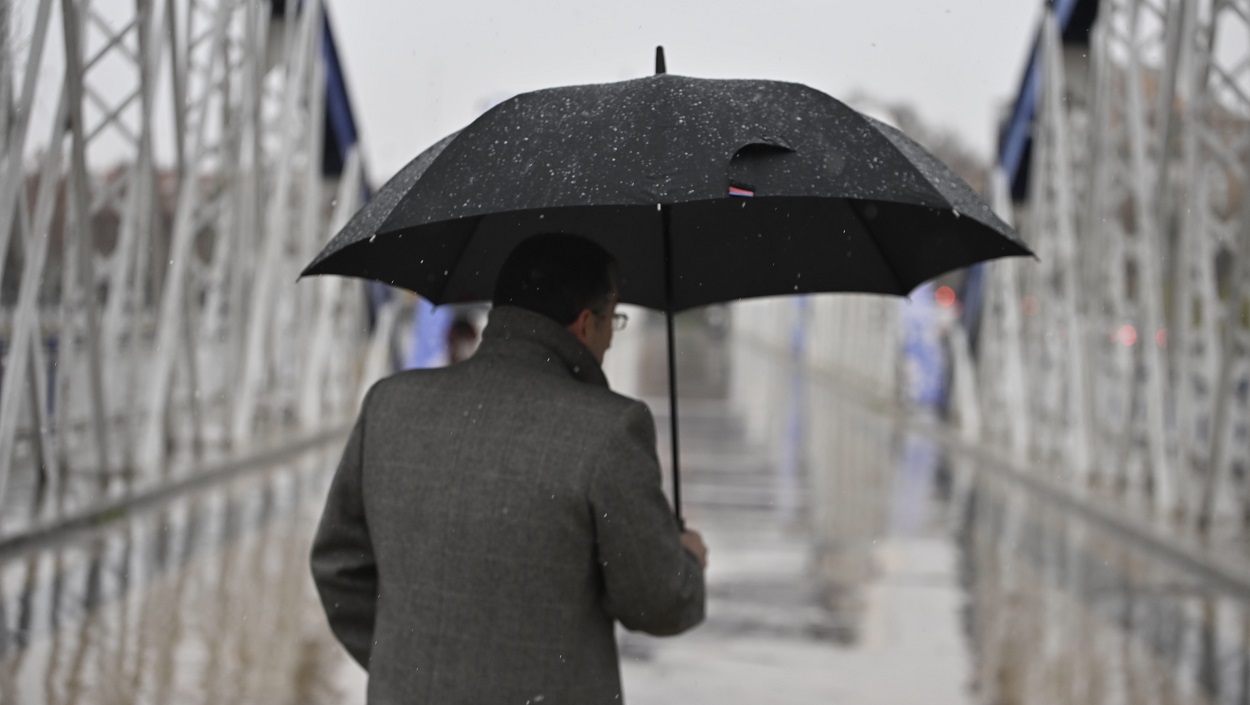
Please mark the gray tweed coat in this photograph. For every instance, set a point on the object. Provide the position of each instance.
(490, 520)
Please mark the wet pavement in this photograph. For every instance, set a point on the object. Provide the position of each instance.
(204, 600)
(830, 581)
(852, 561)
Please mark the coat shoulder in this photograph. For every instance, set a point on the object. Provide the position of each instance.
(472, 385)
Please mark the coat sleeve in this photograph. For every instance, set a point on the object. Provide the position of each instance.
(343, 564)
(652, 584)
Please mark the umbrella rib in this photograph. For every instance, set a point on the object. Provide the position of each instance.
(898, 282)
(459, 259)
(897, 139)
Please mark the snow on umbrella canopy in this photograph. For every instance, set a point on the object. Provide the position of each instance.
(755, 187)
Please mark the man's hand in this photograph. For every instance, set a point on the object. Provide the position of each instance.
(693, 542)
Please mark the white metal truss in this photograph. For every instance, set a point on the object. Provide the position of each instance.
(1001, 361)
(1134, 344)
(1217, 164)
(1060, 395)
(151, 230)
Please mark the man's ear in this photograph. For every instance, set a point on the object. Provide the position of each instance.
(580, 325)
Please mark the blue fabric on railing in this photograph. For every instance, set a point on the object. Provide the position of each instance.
(1076, 19)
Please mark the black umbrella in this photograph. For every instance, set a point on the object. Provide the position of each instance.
(705, 191)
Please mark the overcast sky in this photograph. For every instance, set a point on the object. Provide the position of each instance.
(419, 70)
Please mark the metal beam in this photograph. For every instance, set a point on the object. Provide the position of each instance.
(145, 334)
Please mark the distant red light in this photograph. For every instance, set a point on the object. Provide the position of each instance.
(1161, 337)
(945, 296)
(1029, 305)
(1127, 335)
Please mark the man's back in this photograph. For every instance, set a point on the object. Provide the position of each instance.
(513, 509)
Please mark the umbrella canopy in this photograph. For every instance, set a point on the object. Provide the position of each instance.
(704, 190)
(767, 188)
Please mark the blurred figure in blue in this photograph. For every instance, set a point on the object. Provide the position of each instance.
(441, 335)
(430, 327)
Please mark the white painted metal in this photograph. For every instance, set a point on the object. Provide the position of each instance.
(147, 305)
(1147, 244)
(15, 136)
(1001, 364)
(23, 333)
(1143, 238)
(82, 295)
(317, 370)
(964, 395)
(1068, 292)
(260, 332)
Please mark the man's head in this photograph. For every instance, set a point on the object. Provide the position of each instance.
(567, 278)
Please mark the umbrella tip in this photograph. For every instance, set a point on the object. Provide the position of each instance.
(659, 61)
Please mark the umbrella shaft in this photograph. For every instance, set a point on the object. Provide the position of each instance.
(672, 416)
(666, 220)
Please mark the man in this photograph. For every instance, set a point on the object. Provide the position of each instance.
(489, 521)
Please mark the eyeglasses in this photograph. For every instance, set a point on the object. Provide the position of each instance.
(619, 320)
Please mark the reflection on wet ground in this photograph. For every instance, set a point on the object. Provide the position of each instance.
(852, 561)
(1063, 613)
(855, 561)
(205, 600)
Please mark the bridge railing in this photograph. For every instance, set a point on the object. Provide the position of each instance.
(1119, 364)
(161, 186)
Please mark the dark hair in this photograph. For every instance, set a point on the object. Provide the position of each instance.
(556, 275)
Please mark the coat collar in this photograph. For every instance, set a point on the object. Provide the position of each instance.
(518, 332)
